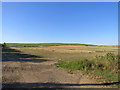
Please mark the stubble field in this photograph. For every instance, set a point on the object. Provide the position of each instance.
(99, 62)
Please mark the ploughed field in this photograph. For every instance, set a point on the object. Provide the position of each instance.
(98, 62)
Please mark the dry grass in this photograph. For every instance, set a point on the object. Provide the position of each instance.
(73, 49)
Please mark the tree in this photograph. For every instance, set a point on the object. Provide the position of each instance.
(4, 45)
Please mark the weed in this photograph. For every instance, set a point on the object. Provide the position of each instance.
(105, 66)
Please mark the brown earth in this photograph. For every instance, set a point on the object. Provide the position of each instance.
(57, 49)
(70, 48)
(40, 72)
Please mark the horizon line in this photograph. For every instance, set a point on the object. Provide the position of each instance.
(61, 42)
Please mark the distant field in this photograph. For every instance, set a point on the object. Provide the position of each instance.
(98, 56)
(47, 44)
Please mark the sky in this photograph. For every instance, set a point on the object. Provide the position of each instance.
(60, 22)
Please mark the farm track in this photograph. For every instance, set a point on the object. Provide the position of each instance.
(21, 72)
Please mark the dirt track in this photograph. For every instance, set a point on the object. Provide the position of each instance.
(40, 73)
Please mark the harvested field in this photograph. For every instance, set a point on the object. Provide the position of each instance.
(73, 49)
(36, 65)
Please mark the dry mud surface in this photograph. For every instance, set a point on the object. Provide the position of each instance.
(25, 73)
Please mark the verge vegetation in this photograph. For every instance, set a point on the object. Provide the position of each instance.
(105, 66)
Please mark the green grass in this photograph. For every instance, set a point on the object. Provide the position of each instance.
(47, 44)
(106, 66)
(108, 76)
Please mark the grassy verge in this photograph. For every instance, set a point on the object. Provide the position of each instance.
(105, 66)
